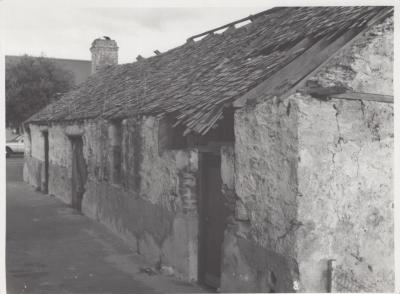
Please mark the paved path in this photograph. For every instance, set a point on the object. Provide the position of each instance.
(53, 249)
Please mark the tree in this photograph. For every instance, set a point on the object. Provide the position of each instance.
(31, 84)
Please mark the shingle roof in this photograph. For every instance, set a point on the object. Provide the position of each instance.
(195, 81)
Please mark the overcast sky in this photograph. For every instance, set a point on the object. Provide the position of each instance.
(66, 28)
(67, 32)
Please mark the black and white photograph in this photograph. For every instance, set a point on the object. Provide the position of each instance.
(205, 147)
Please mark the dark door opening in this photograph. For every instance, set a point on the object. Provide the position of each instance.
(45, 183)
(79, 172)
(213, 215)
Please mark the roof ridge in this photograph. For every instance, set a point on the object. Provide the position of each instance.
(173, 84)
(251, 17)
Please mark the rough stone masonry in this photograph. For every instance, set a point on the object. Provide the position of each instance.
(313, 181)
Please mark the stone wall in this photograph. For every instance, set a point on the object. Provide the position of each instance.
(313, 182)
(34, 157)
(345, 203)
(60, 164)
(265, 185)
(153, 207)
(59, 160)
(345, 171)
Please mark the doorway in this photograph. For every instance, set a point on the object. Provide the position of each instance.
(79, 172)
(45, 182)
(213, 216)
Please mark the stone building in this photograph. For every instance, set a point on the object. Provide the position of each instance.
(254, 157)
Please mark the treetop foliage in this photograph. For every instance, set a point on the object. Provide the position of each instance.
(31, 84)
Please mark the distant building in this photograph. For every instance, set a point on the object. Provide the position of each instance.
(257, 159)
(80, 69)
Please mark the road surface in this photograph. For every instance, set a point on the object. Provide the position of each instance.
(50, 248)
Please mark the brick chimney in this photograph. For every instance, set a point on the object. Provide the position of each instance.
(104, 52)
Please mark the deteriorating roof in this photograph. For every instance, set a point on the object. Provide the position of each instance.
(196, 81)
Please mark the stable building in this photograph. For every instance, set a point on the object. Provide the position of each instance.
(257, 156)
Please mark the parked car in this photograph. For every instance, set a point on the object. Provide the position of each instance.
(15, 145)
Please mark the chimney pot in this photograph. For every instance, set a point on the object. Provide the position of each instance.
(104, 52)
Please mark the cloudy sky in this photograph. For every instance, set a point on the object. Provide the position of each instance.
(66, 28)
(67, 31)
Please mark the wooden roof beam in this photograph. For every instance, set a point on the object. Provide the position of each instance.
(293, 76)
(364, 96)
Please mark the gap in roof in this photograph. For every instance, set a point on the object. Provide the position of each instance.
(200, 38)
(243, 23)
(220, 31)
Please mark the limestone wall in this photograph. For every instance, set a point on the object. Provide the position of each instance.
(265, 183)
(266, 161)
(60, 164)
(345, 203)
(153, 207)
(37, 142)
(345, 171)
(313, 182)
(34, 156)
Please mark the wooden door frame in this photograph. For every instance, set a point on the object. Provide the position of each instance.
(200, 207)
(201, 265)
(71, 139)
(45, 134)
